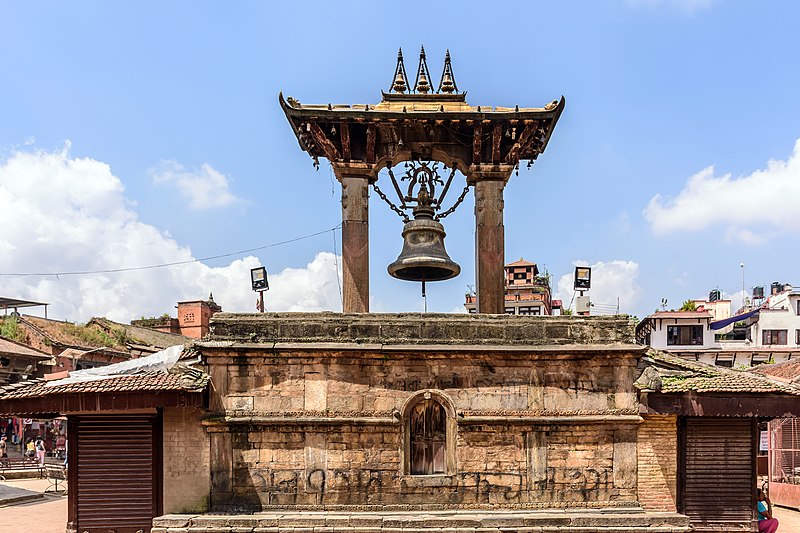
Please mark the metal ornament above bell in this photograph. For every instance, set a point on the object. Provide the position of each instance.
(423, 257)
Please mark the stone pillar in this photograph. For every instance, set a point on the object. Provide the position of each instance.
(355, 179)
(489, 182)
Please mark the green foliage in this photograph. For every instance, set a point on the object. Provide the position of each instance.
(566, 312)
(95, 336)
(11, 330)
(689, 305)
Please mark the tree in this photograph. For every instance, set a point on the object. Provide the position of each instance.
(689, 305)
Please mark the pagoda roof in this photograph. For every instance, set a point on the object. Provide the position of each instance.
(402, 106)
(521, 263)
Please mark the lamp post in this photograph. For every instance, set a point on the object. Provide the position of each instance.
(741, 265)
(583, 281)
(260, 283)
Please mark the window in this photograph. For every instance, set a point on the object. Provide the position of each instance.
(510, 310)
(798, 307)
(188, 317)
(774, 336)
(684, 335)
(530, 310)
(797, 337)
(428, 438)
(519, 275)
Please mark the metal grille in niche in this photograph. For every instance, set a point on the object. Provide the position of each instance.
(428, 438)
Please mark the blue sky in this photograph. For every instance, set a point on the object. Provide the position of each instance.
(139, 133)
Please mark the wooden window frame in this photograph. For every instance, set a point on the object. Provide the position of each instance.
(451, 429)
(682, 327)
(775, 335)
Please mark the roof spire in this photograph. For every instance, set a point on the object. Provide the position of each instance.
(448, 81)
(422, 85)
(400, 83)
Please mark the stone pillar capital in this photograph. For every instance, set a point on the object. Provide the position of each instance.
(488, 172)
(365, 171)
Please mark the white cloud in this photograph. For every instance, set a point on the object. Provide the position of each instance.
(610, 280)
(749, 207)
(687, 6)
(205, 187)
(60, 213)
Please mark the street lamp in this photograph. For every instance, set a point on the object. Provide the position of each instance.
(260, 283)
(583, 280)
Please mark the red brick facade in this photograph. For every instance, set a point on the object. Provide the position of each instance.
(658, 462)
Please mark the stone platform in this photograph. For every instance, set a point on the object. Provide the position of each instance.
(543, 521)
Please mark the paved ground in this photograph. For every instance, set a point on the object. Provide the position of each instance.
(45, 515)
(49, 514)
(788, 519)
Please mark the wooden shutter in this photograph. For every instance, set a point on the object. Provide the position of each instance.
(719, 476)
(117, 485)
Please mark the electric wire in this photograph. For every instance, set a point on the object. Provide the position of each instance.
(174, 263)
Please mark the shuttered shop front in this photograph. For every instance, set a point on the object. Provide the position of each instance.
(117, 477)
(719, 475)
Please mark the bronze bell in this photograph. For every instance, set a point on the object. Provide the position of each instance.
(423, 257)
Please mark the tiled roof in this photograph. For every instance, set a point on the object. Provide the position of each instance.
(521, 263)
(15, 348)
(141, 335)
(151, 381)
(789, 370)
(679, 375)
(103, 333)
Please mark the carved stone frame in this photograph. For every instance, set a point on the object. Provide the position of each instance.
(451, 434)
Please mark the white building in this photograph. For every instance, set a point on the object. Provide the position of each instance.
(677, 330)
(779, 321)
(773, 334)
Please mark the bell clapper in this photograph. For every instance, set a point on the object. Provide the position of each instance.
(424, 298)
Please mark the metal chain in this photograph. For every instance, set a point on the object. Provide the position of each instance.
(385, 199)
(440, 216)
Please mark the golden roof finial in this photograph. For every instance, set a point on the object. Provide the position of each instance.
(422, 85)
(448, 81)
(400, 82)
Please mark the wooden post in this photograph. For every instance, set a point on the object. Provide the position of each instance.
(489, 182)
(355, 179)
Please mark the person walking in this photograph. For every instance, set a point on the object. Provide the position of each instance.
(40, 451)
(3, 448)
(766, 524)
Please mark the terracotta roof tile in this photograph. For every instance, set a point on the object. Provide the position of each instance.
(151, 381)
(15, 348)
(521, 263)
(681, 375)
(789, 370)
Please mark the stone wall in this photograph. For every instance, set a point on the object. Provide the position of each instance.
(658, 462)
(307, 421)
(186, 457)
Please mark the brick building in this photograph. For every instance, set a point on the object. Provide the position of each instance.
(526, 291)
(192, 321)
(423, 422)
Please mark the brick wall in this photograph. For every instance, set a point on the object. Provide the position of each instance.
(658, 462)
(186, 459)
(326, 428)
